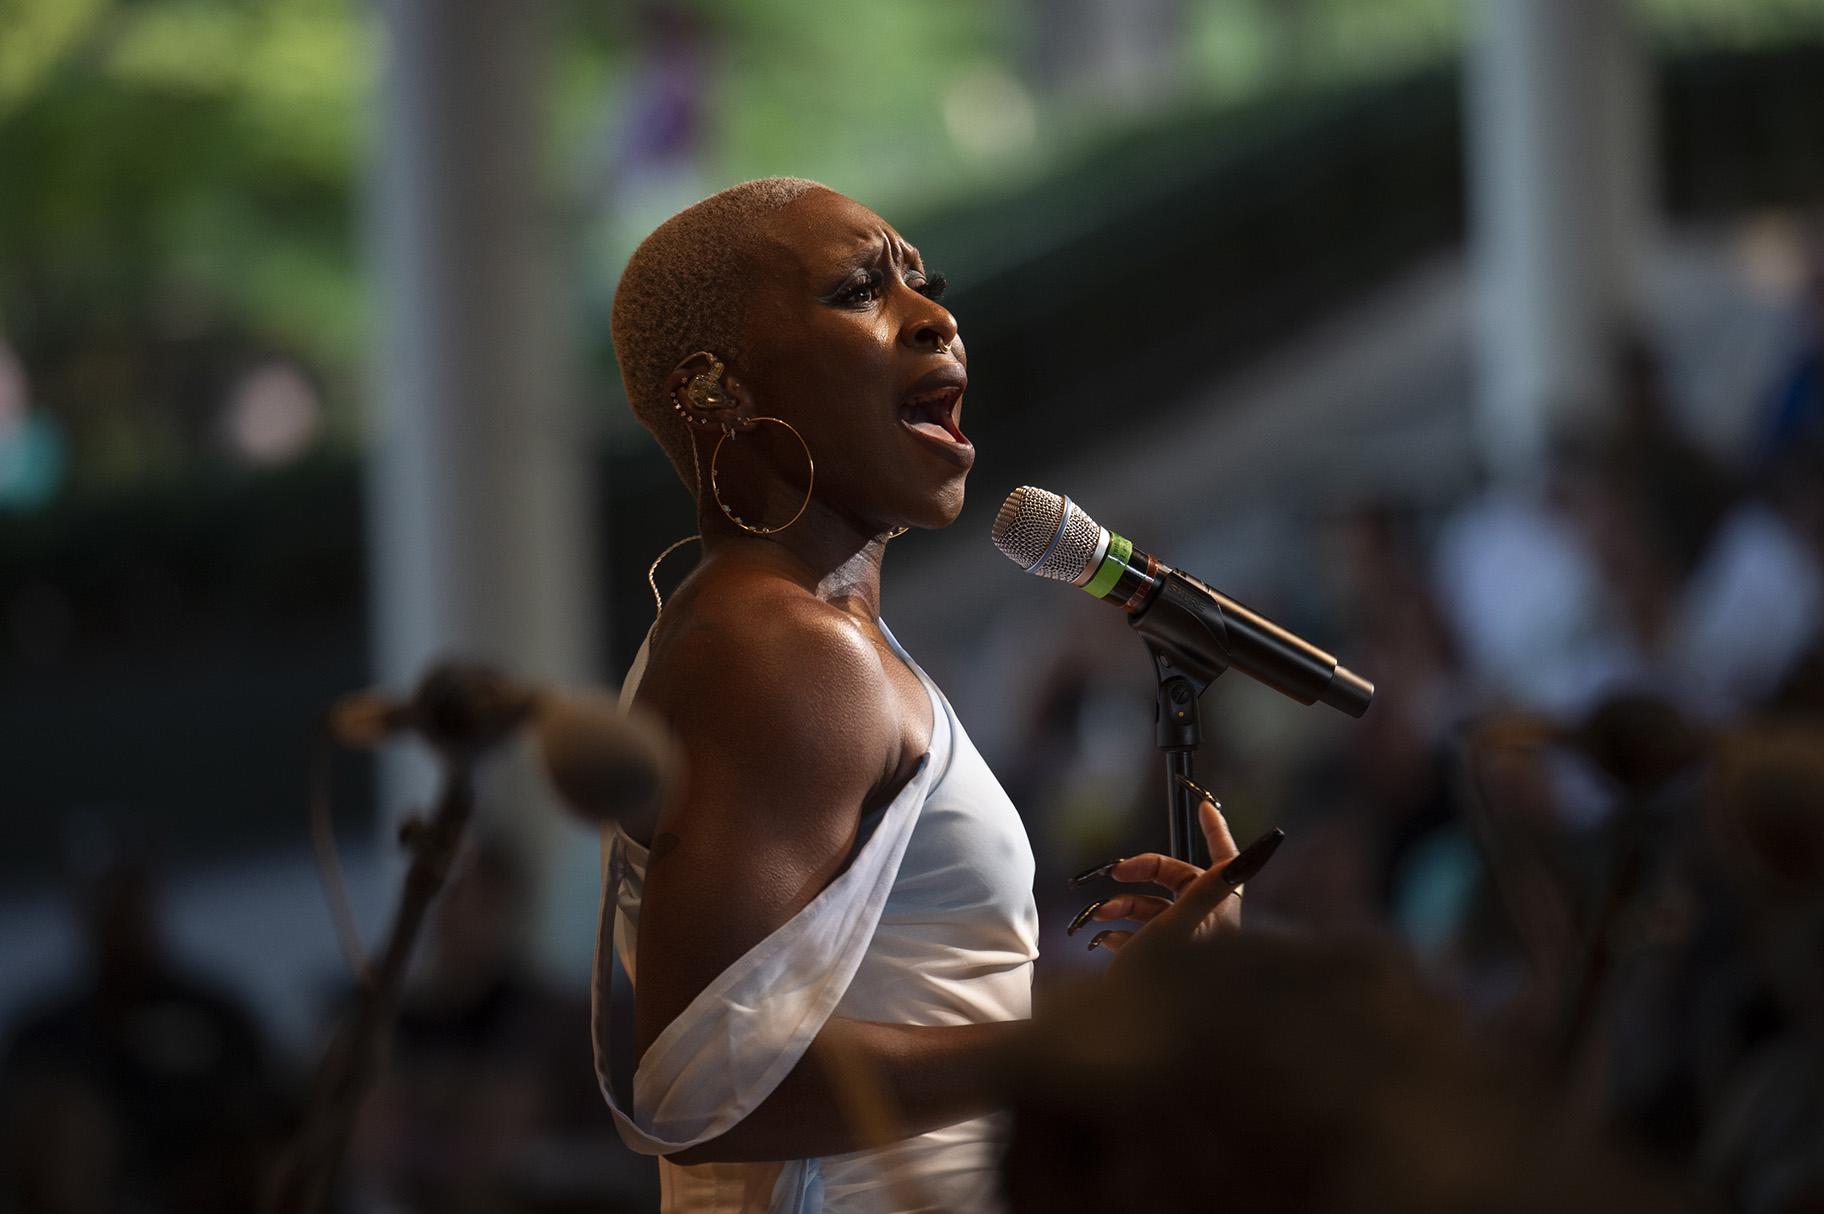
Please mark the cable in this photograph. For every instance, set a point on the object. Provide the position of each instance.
(329, 863)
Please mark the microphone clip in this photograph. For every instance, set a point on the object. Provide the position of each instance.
(1189, 648)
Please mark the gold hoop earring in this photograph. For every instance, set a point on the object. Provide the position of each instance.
(810, 481)
(894, 534)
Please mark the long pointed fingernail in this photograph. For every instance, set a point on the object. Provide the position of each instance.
(1096, 940)
(1083, 916)
(1094, 874)
(1201, 791)
(1252, 858)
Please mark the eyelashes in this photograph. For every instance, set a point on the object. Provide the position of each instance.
(865, 285)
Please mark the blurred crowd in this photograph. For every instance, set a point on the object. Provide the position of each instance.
(1548, 930)
(147, 1087)
(1586, 808)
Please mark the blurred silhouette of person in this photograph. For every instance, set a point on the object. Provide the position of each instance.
(1749, 613)
(1794, 417)
(1799, 495)
(1683, 490)
(144, 1087)
(449, 1120)
(1764, 821)
(1647, 502)
(1269, 1073)
(1526, 604)
(1395, 759)
(1717, 1025)
(1558, 600)
(1749, 616)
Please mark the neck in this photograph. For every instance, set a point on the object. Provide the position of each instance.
(832, 555)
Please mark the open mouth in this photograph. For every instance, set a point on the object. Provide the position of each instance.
(934, 414)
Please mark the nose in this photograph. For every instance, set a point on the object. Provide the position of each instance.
(932, 329)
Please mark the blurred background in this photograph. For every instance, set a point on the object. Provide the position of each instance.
(1478, 340)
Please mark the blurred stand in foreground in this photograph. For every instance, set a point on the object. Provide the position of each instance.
(484, 1105)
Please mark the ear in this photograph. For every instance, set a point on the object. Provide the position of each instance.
(707, 395)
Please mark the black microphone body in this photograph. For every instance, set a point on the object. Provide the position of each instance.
(1202, 630)
(1206, 631)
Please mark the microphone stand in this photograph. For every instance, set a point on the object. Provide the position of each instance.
(1190, 649)
(462, 711)
(1178, 731)
(306, 1176)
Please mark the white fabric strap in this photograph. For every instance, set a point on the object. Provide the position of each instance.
(727, 1052)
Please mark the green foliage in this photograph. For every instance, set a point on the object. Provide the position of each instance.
(178, 189)
(179, 178)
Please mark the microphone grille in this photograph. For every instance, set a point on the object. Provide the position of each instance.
(1046, 534)
(606, 764)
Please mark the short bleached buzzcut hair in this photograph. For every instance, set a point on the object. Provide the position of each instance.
(685, 289)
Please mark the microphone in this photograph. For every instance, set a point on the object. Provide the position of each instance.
(1195, 626)
(605, 764)
(458, 707)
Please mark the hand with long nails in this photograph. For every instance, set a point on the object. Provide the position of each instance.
(1200, 906)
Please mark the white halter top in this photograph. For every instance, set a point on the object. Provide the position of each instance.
(932, 923)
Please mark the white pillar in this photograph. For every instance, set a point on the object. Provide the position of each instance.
(479, 473)
(1561, 170)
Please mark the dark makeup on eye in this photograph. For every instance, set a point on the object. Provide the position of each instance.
(865, 280)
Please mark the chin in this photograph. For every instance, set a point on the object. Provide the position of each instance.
(939, 509)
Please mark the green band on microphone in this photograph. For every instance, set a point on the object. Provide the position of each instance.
(1119, 549)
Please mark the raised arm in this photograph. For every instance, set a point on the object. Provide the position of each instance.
(803, 734)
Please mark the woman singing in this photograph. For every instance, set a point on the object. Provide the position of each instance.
(831, 930)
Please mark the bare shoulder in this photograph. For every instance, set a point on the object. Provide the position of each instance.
(789, 731)
(769, 675)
